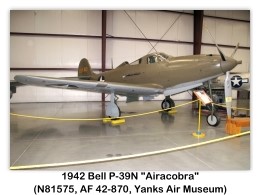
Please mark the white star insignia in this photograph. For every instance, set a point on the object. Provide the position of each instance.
(235, 81)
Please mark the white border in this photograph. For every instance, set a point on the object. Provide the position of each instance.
(22, 182)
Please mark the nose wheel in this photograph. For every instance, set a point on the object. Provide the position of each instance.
(167, 103)
(213, 120)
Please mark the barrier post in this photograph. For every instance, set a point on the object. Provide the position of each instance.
(198, 133)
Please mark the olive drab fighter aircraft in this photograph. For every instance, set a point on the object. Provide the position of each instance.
(151, 75)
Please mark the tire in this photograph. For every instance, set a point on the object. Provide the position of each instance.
(172, 102)
(167, 103)
(213, 120)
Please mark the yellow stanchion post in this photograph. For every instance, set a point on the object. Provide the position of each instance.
(198, 133)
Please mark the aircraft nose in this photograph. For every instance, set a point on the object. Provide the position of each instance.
(239, 62)
(229, 64)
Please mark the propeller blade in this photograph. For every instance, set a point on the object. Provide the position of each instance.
(221, 54)
(214, 41)
(235, 50)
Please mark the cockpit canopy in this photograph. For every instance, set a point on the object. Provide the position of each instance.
(148, 59)
(151, 58)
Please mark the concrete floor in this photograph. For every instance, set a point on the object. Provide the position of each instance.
(36, 141)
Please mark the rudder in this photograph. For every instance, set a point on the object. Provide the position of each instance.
(84, 68)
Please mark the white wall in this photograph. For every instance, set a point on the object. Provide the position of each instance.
(53, 52)
(153, 24)
(64, 52)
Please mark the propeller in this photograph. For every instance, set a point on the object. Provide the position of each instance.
(227, 84)
(214, 41)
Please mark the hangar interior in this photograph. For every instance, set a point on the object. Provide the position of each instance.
(52, 43)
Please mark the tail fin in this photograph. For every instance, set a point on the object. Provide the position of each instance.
(84, 68)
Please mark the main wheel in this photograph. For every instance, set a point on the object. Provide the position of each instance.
(167, 103)
(213, 120)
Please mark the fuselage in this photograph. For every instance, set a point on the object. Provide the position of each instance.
(168, 72)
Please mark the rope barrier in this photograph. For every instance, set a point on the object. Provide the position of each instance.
(235, 108)
(102, 160)
(122, 117)
(55, 118)
(95, 119)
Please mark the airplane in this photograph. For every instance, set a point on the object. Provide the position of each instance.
(151, 75)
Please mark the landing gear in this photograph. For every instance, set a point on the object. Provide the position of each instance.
(112, 110)
(213, 119)
(167, 103)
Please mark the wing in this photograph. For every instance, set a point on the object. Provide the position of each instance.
(91, 85)
(181, 87)
(15, 84)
